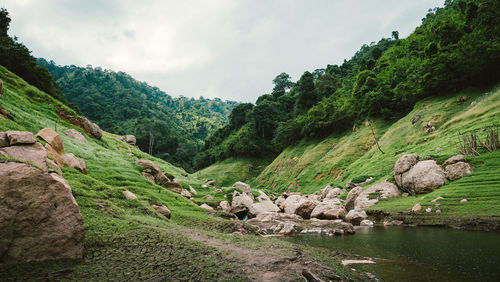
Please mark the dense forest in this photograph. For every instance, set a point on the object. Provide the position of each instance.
(122, 105)
(455, 47)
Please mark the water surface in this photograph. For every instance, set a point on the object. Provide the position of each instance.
(419, 253)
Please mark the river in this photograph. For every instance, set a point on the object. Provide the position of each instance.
(419, 253)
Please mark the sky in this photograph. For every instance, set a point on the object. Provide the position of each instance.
(213, 48)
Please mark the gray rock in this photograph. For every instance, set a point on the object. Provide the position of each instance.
(39, 217)
(162, 210)
(72, 161)
(130, 139)
(371, 195)
(404, 164)
(243, 187)
(424, 177)
(292, 203)
(20, 137)
(74, 134)
(129, 195)
(4, 141)
(264, 206)
(33, 153)
(352, 196)
(356, 216)
(305, 208)
(91, 128)
(455, 159)
(457, 170)
(206, 207)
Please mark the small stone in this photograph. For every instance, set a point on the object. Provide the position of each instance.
(366, 222)
(162, 210)
(438, 149)
(437, 199)
(421, 198)
(129, 195)
(405, 195)
(428, 209)
(208, 198)
(207, 207)
(463, 201)
(438, 211)
(416, 208)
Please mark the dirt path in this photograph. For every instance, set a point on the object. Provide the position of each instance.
(268, 265)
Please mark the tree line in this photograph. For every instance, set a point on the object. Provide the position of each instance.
(455, 47)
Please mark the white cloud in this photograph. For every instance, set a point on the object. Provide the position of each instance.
(217, 48)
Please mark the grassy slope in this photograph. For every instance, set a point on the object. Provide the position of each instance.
(226, 171)
(311, 165)
(128, 240)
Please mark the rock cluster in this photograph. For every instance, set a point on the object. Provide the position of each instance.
(154, 174)
(422, 176)
(39, 217)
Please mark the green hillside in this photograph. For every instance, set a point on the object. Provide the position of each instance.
(129, 240)
(456, 47)
(120, 104)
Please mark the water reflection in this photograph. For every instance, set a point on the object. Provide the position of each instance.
(420, 253)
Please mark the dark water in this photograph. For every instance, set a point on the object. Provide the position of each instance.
(419, 253)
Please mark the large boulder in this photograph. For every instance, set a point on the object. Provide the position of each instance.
(39, 218)
(404, 164)
(371, 195)
(455, 159)
(305, 208)
(457, 170)
(34, 153)
(72, 161)
(54, 155)
(352, 196)
(91, 128)
(262, 197)
(130, 139)
(225, 206)
(74, 134)
(325, 206)
(153, 173)
(4, 140)
(336, 212)
(424, 177)
(52, 137)
(20, 137)
(241, 204)
(325, 191)
(356, 216)
(243, 187)
(263, 206)
(292, 203)
(334, 193)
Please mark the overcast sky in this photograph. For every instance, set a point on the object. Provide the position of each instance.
(214, 48)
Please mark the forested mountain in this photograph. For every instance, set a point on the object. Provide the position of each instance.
(455, 47)
(123, 105)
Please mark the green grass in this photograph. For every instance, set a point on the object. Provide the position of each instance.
(231, 170)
